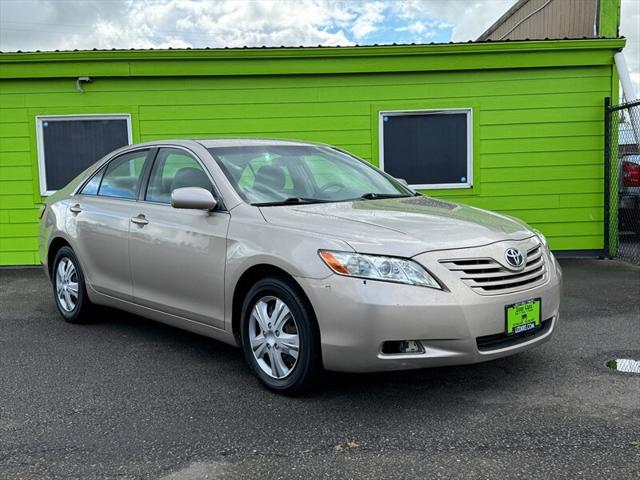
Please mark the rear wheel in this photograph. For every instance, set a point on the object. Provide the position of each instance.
(280, 337)
(69, 288)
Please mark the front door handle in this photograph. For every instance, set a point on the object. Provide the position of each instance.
(76, 208)
(140, 220)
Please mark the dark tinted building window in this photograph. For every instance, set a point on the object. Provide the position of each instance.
(427, 149)
(68, 145)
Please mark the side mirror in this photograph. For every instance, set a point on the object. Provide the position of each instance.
(194, 198)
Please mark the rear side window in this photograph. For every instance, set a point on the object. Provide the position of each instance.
(122, 176)
(91, 187)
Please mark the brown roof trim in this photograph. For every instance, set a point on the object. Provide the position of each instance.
(517, 6)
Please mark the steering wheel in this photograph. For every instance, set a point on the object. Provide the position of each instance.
(331, 185)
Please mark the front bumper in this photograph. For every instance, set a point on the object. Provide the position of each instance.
(356, 317)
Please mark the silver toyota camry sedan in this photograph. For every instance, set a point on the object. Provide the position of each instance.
(305, 256)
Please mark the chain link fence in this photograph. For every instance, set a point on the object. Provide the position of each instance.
(622, 181)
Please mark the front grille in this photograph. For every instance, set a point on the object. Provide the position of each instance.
(488, 277)
(502, 340)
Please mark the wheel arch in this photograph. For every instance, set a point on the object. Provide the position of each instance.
(54, 246)
(249, 278)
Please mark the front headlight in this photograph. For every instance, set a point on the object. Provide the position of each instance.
(542, 238)
(374, 267)
(545, 244)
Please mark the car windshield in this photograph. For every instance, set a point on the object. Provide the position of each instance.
(289, 174)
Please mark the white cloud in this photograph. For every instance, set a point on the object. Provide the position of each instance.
(67, 24)
(86, 24)
(630, 28)
(83, 24)
(422, 31)
(469, 18)
(415, 27)
(368, 19)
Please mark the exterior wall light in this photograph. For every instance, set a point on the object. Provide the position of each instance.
(80, 81)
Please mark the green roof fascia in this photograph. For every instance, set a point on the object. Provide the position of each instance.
(313, 60)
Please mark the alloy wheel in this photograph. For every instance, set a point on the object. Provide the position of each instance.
(274, 337)
(67, 284)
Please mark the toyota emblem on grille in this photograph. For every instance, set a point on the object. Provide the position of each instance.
(514, 257)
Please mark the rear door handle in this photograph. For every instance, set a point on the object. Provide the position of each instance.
(140, 220)
(76, 208)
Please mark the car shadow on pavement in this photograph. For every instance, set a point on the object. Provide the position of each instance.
(149, 336)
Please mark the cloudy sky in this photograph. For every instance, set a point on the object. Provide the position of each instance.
(86, 24)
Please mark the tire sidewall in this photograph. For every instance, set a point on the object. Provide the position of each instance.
(74, 315)
(307, 364)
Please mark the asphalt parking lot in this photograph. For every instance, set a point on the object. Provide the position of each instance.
(127, 398)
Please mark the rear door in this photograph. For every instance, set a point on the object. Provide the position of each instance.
(178, 256)
(99, 219)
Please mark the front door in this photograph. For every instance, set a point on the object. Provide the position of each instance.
(99, 218)
(178, 256)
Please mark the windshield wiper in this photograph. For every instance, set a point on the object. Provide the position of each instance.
(290, 201)
(375, 196)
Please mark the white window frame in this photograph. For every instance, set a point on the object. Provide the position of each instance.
(40, 119)
(438, 111)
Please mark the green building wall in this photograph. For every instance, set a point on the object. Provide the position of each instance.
(537, 111)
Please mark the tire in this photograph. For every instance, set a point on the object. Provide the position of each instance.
(292, 374)
(73, 303)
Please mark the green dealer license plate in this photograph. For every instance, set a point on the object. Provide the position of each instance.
(523, 316)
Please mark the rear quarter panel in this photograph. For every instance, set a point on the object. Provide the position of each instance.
(52, 226)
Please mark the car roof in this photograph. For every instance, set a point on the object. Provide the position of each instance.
(249, 142)
(220, 142)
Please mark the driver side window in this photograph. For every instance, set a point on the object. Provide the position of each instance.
(175, 168)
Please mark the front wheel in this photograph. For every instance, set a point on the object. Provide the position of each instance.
(280, 337)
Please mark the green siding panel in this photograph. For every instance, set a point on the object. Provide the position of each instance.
(538, 134)
(14, 173)
(9, 187)
(8, 144)
(18, 244)
(14, 129)
(528, 174)
(22, 216)
(265, 110)
(254, 125)
(354, 137)
(542, 159)
(541, 130)
(559, 215)
(17, 201)
(12, 115)
(18, 258)
(548, 186)
(542, 115)
(19, 230)
(568, 242)
(12, 159)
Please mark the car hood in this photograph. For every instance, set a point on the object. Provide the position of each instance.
(400, 226)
